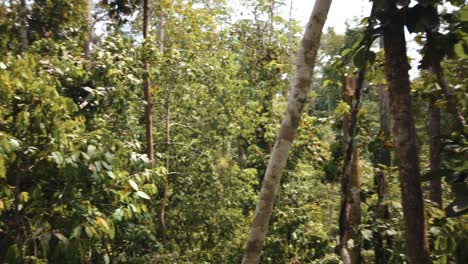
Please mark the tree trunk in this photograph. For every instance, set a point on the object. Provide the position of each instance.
(297, 98)
(452, 105)
(404, 134)
(384, 105)
(382, 213)
(148, 99)
(89, 39)
(350, 212)
(382, 156)
(23, 14)
(165, 199)
(435, 152)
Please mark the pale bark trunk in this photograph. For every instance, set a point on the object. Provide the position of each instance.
(89, 39)
(148, 99)
(435, 152)
(297, 99)
(404, 134)
(23, 13)
(350, 212)
(165, 199)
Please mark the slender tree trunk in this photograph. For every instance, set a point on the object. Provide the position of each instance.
(404, 134)
(452, 105)
(383, 214)
(350, 212)
(23, 15)
(435, 152)
(165, 199)
(297, 98)
(89, 39)
(148, 99)
(266, 110)
(161, 29)
(382, 156)
(385, 118)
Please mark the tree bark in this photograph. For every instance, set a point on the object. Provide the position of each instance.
(384, 105)
(382, 213)
(404, 134)
(350, 212)
(382, 156)
(435, 152)
(148, 99)
(297, 99)
(23, 14)
(89, 39)
(165, 199)
(452, 105)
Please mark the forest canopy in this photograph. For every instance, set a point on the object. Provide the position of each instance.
(173, 131)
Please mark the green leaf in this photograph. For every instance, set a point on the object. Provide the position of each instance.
(118, 214)
(89, 230)
(367, 234)
(110, 174)
(76, 233)
(2, 168)
(58, 158)
(103, 222)
(143, 195)
(15, 143)
(359, 58)
(133, 185)
(91, 150)
(345, 52)
(464, 14)
(459, 50)
(61, 237)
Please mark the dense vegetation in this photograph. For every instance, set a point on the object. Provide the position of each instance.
(141, 132)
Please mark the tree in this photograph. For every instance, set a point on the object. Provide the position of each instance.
(23, 12)
(350, 213)
(147, 89)
(382, 161)
(435, 151)
(404, 133)
(298, 97)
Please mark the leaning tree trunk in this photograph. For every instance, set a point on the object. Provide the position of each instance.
(350, 212)
(435, 152)
(148, 99)
(404, 134)
(297, 99)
